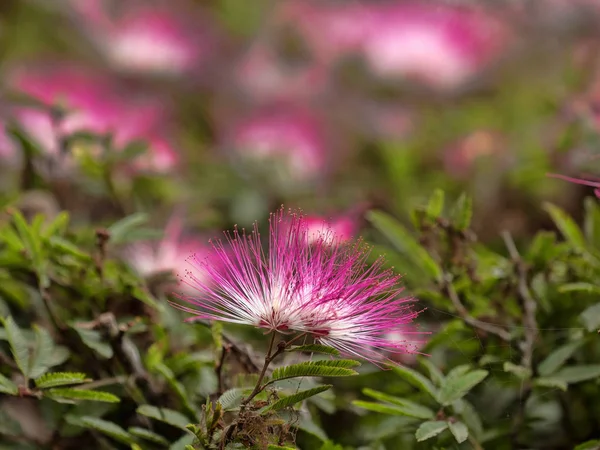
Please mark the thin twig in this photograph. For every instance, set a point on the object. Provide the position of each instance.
(225, 350)
(530, 327)
(467, 317)
(263, 371)
(259, 387)
(476, 445)
(120, 379)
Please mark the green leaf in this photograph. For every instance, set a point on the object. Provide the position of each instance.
(148, 435)
(122, 230)
(31, 241)
(58, 226)
(232, 398)
(70, 395)
(590, 317)
(334, 368)
(591, 221)
(459, 430)
(294, 398)
(329, 445)
(469, 415)
(436, 374)
(394, 410)
(520, 372)
(577, 374)
(9, 426)
(411, 409)
(462, 212)
(173, 418)
(436, 204)
(18, 344)
(417, 380)
(405, 243)
(59, 243)
(7, 386)
(93, 339)
(430, 429)
(216, 329)
(589, 445)
(55, 379)
(558, 358)
(41, 357)
(550, 383)
(184, 443)
(587, 288)
(308, 425)
(457, 387)
(315, 348)
(110, 429)
(279, 447)
(566, 225)
(177, 387)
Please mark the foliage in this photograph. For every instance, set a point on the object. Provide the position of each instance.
(92, 353)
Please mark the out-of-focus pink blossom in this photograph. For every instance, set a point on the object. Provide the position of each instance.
(265, 77)
(91, 103)
(149, 259)
(326, 290)
(433, 43)
(8, 151)
(155, 38)
(414, 346)
(340, 229)
(441, 46)
(460, 159)
(330, 30)
(292, 136)
(591, 183)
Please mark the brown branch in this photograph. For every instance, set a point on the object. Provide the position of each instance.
(530, 327)
(225, 350)
(449, 290)
(259, 387)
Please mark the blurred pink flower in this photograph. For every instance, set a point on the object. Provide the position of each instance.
(149, 259)
(340, 229)
(157, 38)
(460, 158)
(265, 77)
(433, 43)
(440, 46)
(292, 136)
(413, 345)
(92, 103)
(8, 151)
(591, 183)
(330, 30)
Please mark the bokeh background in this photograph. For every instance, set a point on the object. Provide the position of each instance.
(334, 107)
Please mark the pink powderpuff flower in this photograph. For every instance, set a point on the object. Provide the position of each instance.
(266, 78)
(591, 183)
(325, 289)
(461, 158)
(339, 229)
(149, 259)
(161, 38)
(438, 45)
(8, 151)
(293, 137)
(414, 347)
(93, 104)
(330, 30)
